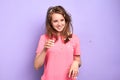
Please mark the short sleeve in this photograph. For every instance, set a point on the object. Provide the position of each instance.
(76, 42)
(41, 44)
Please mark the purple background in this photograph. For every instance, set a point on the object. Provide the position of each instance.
(96, 22)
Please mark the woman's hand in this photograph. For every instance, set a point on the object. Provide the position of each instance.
(49, 44)
(73, 72)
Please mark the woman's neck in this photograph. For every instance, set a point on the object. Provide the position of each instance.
(58, 34)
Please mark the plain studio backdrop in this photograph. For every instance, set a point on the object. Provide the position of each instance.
(96, 22)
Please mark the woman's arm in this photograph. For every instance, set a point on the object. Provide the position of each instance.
(73, 72)
(78, 59)
(40, 57)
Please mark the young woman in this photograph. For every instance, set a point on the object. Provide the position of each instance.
(59, 48)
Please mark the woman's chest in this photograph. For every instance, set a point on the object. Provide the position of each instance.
(61, 48)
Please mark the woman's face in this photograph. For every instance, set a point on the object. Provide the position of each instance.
(58, 22)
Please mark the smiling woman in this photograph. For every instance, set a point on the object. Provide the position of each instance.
(58, 64)
(58, 22)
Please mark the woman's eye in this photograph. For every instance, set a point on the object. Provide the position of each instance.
(55, 21)
(62, 19)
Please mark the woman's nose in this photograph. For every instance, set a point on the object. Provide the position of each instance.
(59, 23)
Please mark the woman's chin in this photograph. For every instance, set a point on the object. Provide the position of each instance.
(59, 30)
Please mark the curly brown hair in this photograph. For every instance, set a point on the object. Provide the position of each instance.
(68, 29)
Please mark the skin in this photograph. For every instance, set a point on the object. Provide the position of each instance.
(58, 23)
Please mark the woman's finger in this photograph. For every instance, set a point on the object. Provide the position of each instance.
(70, 73)
(49, 43)
(75, 73)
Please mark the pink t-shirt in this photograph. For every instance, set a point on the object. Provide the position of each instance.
(59, 58)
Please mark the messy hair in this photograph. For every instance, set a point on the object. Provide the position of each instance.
(68, 29)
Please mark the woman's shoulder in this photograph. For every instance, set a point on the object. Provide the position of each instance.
(74, 40)
(74, 36)
(43, 36)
